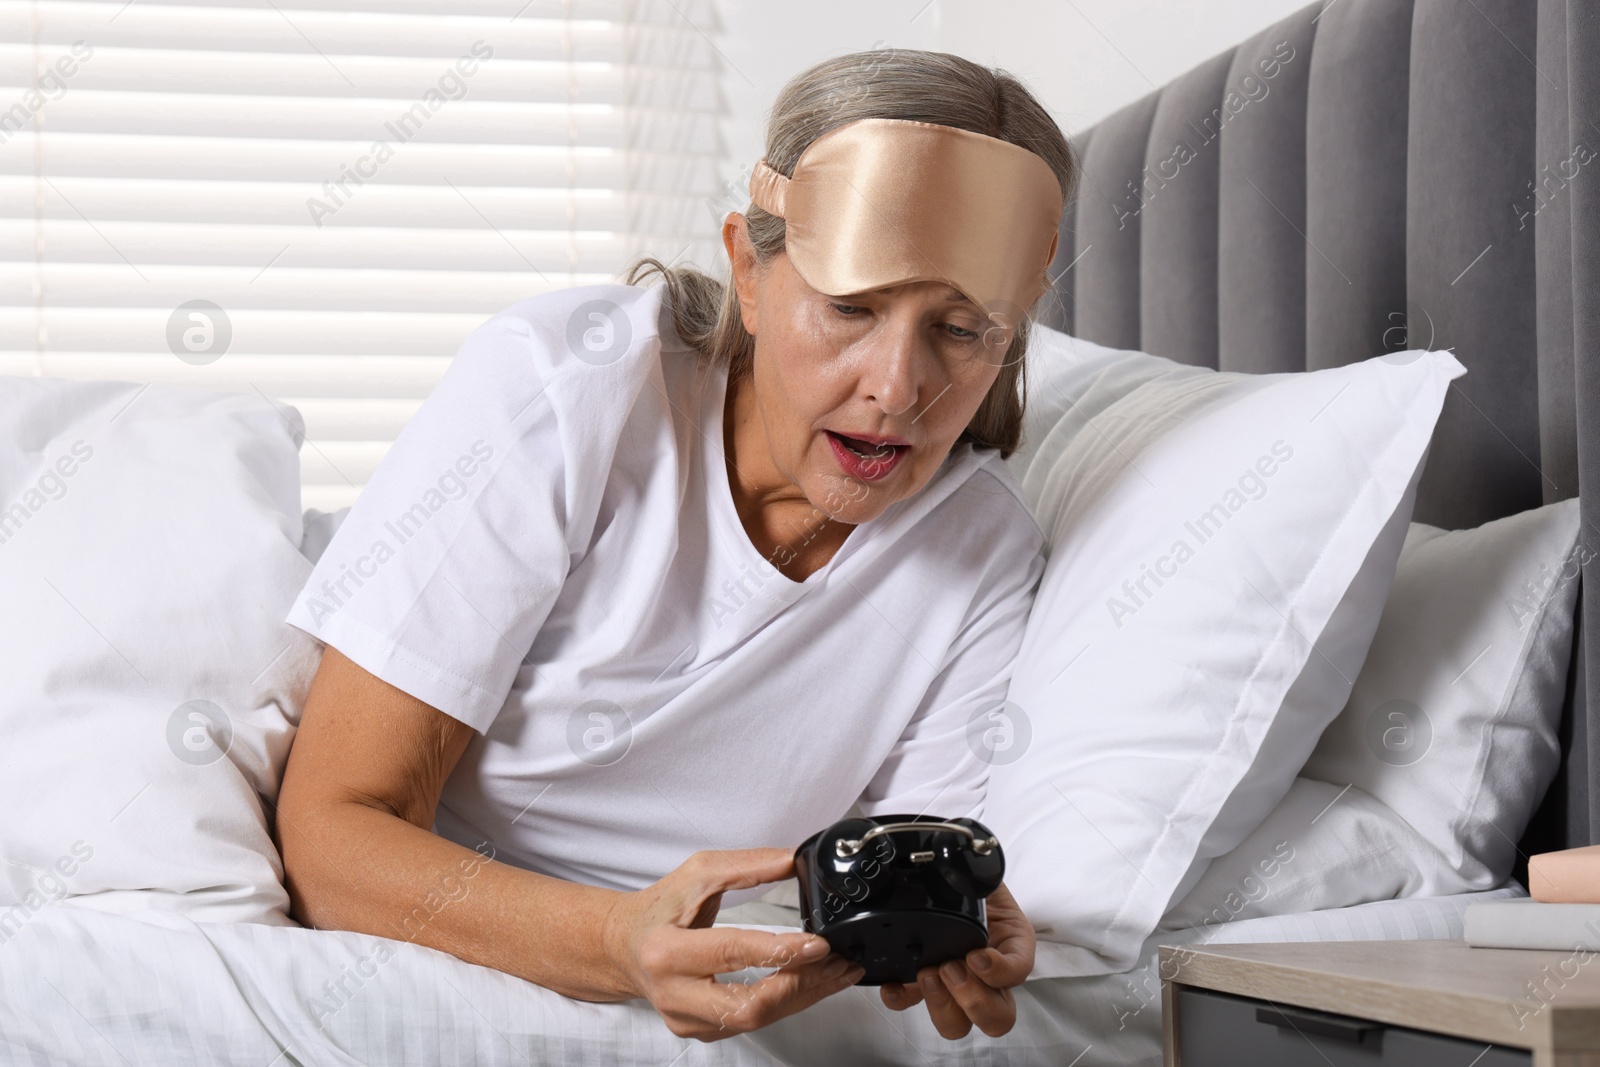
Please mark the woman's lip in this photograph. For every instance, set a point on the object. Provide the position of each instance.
(874, 439)
(862, 467)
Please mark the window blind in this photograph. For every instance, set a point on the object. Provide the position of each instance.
(317, 200)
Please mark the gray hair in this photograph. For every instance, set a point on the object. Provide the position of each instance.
(892, 83)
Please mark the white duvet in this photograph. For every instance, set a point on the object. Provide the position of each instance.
(85, 987)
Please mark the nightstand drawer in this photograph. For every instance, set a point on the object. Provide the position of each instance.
(1222, 1030)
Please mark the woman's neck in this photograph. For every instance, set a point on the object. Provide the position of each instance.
(796, 536)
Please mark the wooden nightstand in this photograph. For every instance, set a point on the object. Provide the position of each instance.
(1417, 1003)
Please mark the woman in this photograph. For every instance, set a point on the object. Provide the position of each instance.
(659, 580)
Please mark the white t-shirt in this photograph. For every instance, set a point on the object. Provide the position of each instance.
(550, 554)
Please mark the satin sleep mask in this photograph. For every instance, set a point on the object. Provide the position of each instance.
(878, 202)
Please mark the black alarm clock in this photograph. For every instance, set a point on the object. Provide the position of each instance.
(897, 893)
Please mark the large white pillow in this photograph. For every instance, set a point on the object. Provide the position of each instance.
(1453, 720)
(1205, 529)
(149, 549)
(1322, 687)
(1333, 844)
(1082, 377)
(1323, 846)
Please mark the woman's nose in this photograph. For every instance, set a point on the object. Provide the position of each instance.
(891, 373)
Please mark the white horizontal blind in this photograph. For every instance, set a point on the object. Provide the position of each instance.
(354, 185)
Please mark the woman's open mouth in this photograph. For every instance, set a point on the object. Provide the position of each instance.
(868, 460)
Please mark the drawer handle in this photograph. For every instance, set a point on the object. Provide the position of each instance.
(1352, 1030)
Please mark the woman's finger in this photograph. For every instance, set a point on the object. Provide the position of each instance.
(727, 1008)
(994, 1011)
(898, 997)
(1004, 914)
(690, 895)
(796, 988)
(718, 870)
(721, 949)
(999, 968)
(1010, 953)
(947, 1016)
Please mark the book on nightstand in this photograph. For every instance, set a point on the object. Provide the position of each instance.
(1532, 924)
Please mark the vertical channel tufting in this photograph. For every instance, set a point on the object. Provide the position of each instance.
(1105, 280)
(1178, 231)
(1469, 268)
(1583, 75)
(1562, 819)
(1426, 121)
(1261, 210)
(1056, 309)
(1547, 208)
(1356, 183)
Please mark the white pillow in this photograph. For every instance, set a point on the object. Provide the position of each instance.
(1322, 688)
(320, 526)
(1067, 366)
(151, 689)
(1204, 528)
(1453, 720)
(1324, 846)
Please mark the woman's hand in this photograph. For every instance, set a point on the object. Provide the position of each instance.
(977, 991)
(661, 938)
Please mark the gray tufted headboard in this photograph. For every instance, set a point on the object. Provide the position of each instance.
(1367, 176)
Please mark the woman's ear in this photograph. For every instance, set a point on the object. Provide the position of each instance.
(746, 271)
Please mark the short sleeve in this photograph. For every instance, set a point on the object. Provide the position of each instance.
(940, 763)
(452, 556)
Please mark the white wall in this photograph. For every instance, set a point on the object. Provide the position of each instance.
(1086, 58)
(1082, 58)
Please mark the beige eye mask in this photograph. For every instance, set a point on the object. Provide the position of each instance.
(879, 202)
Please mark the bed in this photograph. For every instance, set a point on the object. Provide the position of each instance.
(84, 988)
(1417, 190)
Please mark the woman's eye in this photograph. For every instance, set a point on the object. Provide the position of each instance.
(959, 333)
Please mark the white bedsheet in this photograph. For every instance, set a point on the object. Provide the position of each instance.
(84, 987)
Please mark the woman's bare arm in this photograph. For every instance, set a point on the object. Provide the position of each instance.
(354, 827)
